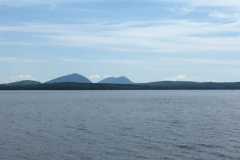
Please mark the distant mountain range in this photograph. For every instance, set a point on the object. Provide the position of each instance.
(77, 78)
(79, 82)
(114, 80)
(25, 82)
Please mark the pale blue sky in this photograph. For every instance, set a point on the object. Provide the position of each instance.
(145, 40)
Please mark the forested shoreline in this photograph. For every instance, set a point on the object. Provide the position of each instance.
(164, 85)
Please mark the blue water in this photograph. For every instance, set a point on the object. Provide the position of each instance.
(119, 125)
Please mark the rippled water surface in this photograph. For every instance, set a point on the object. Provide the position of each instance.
(119, 125)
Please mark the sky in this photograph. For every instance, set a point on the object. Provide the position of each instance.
(144, 40)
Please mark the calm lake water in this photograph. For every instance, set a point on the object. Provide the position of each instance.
(119, 125)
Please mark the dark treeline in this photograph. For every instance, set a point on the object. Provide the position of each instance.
(69, 86)
(165, 85)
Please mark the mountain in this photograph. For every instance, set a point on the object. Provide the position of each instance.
(114, 80)
(25, 82)
(70, 78)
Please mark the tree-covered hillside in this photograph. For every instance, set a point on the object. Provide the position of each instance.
(165, 85)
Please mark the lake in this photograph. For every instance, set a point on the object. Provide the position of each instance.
(119, 125)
